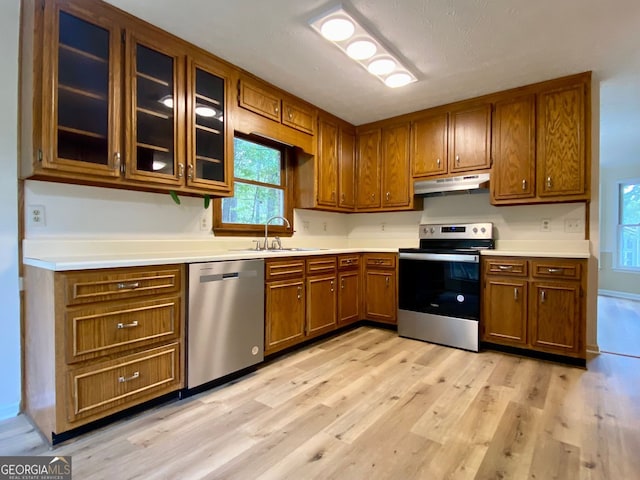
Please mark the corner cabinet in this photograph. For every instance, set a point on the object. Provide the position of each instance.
(541, 143)
(100, 341)
(536, 304)
(110, 100)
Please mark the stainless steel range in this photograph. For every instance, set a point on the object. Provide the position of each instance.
(439, 284)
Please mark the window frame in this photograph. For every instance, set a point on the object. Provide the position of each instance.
(620, 226)
(286, 171)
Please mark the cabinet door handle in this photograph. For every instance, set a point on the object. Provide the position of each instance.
(332, 285)
(555, 270)
(458, 159)
(342, 283)
(127, 325)
(515, 294)
(438, 162)
(373, 196)
(543, 296)
(524, 184)
(343, 197)
(128, 379)
(275, 109)
(505, 268)
(388, 196)
(190, 172)
(180, 170)
(289, 114)
(333, 195)
(549, 182)
(386, 281)
(130, 285)
(116, 161)
(299, 293)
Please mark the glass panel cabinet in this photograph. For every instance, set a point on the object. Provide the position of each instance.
(82, 75)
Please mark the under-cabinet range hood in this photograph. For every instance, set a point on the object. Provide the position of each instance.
(463, 183)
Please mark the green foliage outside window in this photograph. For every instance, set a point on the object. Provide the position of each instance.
(261, 195)
(629, 226)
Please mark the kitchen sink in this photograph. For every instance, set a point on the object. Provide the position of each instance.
(275, 250)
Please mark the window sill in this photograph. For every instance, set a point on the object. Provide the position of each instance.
(252, 231)
(626, 270)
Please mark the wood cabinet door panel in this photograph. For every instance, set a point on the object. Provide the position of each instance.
(298, 116)
(380, 296)
(259, 100)
(349, 296)
(505, 311)
(368, 170)
(100, 330)
(347, 170)
(429, 146)
(514, 156)
(470, 139)
(555, 317)
(285, 314)
(396, 191)
(561, 160)
(114, 385)
(321, 304)
(327, 163)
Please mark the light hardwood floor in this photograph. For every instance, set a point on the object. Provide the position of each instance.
(371, 405)
(619, 326)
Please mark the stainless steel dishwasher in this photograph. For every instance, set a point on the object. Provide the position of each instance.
(225, 319)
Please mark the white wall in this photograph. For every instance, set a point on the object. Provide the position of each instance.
(9, 293)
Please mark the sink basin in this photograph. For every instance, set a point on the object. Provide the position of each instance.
(275, 250)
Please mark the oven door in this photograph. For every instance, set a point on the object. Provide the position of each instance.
(441, 284)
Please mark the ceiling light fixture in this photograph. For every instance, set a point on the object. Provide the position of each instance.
(340, 28)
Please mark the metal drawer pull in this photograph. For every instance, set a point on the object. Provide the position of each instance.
(515, 294)
(122, 286)
(543, 296)
(555, 270)
(505, 268)
(127, 379)
(128, 325)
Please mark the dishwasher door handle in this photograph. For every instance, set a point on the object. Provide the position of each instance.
(217, 277)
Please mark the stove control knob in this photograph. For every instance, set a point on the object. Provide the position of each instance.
(433, 230)
(483, 230)
(475, 229)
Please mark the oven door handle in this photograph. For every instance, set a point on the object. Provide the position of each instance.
(441, 257)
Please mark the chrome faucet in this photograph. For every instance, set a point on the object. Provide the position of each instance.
(266, 226)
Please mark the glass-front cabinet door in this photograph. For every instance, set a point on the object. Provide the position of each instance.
(81, 101)
(155, 96)
(208, 135)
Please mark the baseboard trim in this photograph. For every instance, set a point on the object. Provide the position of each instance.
(615, 294)
(593, 349)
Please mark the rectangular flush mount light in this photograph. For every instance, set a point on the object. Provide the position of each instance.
(348, 35)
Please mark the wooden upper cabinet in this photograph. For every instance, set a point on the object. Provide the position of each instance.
(470, 139)
(347, 169)
(368, 178)
(327, 162)
(156, 110)
(259, 100)
(514, 154)
(562, 165)
(429, 145)
(209, 135)
(80, 105)
(298, 116)
(396, 190)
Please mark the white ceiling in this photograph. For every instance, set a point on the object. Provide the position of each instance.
(459, 48)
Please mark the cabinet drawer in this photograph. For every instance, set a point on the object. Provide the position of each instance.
(105, 329)
(346, 262)
(511, 266)
(103, 285)
(275, 270)
(321, 265)
(115, 385)
(556, 269)
(380, 261)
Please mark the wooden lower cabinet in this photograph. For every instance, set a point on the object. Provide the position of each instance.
(285, 314)
(349, 288)
(536, 304)
(380, 283)
(321, 304)
(100, 341)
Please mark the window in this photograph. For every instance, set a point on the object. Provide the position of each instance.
(260, 189)
(629, 226)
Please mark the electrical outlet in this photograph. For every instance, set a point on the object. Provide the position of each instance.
(36, 216)
(324, 226)
(382, 227)
(305, 225)
(204, 223)
(545, 225)
(573, 225)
